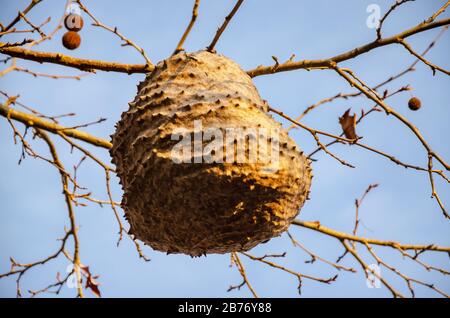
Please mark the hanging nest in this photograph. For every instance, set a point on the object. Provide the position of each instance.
(198, 208)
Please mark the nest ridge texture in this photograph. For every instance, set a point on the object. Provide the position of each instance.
(200, 208)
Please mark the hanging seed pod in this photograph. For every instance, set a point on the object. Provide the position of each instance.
(71, 40)
(73, 22)
(414, 103)
(205, 207)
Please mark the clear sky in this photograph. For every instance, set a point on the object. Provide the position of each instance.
(32, 209)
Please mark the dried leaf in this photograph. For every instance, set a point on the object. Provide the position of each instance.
(93, 285)
(348, 124)
(91, 282)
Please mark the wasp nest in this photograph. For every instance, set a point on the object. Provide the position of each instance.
(184, 201)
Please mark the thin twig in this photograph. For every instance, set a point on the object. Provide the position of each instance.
(235, 259)
(114, 30)
(219, 32)
(316, 226)
(326, 63)
(32, 4)
(179, 47)
(397, 4)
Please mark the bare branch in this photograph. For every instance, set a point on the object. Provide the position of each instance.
(368, 270)
(300, 276)
(236, 260)
(358, 203)
(376, 87)
(127, 41)
(433, 67)
(219, 32)
(34, 27)
(407, 279)
(397, 4)
(32, 4)
(179, 47)
(81, 64)
(354, 81)
(34, 121)
(315, 257)
(73, 227)
(316, 226)
(326, 63)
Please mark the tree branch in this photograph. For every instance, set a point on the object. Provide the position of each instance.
(425, 61)
(114, 30)
(316, 226)
(19, 15)
(307, 64)
(189, 27)
(34, 121)
(73, 227)
(210, 48)
(70, 61)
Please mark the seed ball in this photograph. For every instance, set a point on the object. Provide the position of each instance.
(414, 103)
(71, 40)
(73, 22)
(196, 206)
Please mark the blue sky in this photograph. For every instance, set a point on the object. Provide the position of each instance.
(32, 209)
